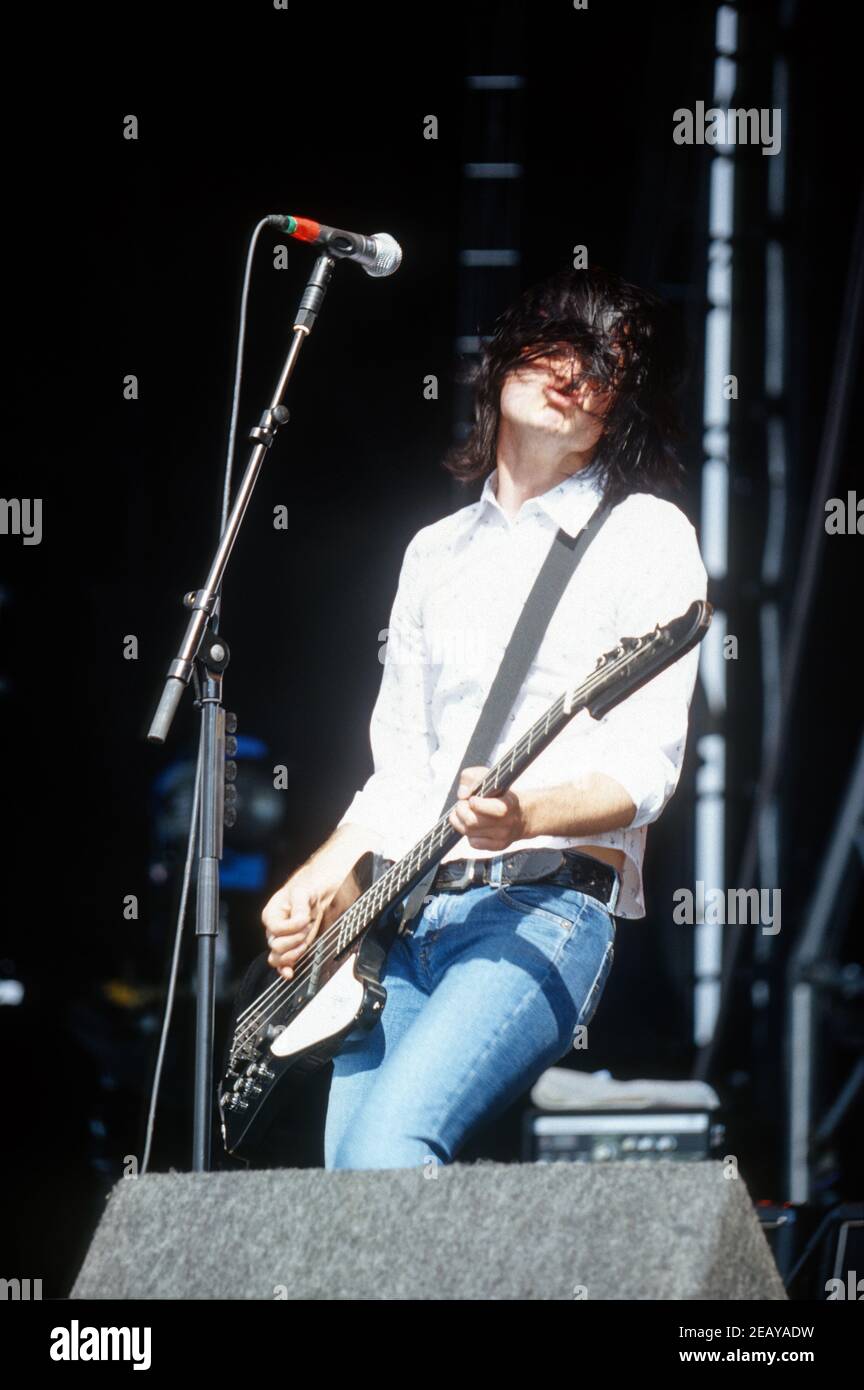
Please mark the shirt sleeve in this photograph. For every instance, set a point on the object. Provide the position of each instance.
(640, 743)
(400, 732)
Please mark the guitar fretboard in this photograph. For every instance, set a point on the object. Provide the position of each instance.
(398, 880)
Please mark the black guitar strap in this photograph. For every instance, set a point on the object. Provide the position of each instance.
(563, 556)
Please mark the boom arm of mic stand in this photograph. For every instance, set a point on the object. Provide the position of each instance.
(204, 600)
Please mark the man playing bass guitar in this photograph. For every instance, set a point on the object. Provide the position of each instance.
(512, 948)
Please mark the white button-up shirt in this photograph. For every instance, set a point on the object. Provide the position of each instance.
(463, 583)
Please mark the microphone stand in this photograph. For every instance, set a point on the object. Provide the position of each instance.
(205, 653)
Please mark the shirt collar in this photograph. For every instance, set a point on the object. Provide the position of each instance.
(569, 503)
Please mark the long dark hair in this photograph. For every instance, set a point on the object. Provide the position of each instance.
(618, 337)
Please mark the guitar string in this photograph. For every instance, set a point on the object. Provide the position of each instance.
(282, 990)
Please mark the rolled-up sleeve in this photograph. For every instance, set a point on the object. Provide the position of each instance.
(640, 743)
(400, 734)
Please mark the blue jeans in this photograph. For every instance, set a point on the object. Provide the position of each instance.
(486, 992)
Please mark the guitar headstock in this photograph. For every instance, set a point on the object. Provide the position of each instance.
(637, 660)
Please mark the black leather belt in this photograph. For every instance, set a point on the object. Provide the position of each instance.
(567, 867)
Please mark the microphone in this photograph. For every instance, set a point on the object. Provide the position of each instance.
(379, 254)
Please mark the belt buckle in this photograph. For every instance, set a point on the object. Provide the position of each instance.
(467, 879)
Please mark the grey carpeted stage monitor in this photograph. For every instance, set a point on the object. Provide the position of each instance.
(649, 1229)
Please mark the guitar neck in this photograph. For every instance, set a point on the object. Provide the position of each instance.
(401, 877)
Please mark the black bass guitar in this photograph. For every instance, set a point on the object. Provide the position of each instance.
(299, 1024)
